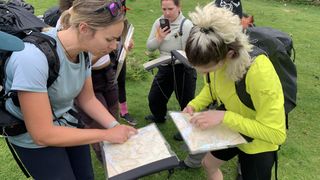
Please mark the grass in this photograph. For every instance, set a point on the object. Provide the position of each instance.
(298, 157)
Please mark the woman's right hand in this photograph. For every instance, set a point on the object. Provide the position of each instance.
(189, 110)
(120, 134)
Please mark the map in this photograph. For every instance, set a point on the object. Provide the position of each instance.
(197, 140)
(146, 147)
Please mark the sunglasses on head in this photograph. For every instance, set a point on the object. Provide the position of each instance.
(115, 8)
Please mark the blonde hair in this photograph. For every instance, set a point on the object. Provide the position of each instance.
(85, 11)
(216, 31)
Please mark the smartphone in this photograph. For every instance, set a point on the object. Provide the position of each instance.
(164, 23)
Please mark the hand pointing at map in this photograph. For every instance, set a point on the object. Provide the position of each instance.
(124, 132)
(188, 109)
(207, 119)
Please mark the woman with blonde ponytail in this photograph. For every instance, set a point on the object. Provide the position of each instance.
(54, 147)
(218, 48)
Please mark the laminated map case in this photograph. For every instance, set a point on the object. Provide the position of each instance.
(143, 154)
(178, 55)
(123, 52)
(199, 141)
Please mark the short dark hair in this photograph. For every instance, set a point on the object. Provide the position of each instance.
(176, 2)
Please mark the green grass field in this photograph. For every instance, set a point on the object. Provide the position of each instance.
(299, 156)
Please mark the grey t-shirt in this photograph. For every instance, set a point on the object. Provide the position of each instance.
(27, 70)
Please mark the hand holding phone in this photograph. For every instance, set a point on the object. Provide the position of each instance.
(164, 23)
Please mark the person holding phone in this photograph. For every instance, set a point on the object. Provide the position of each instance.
(170, 32)
(165, 37)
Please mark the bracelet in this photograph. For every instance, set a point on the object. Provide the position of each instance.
(113, 124)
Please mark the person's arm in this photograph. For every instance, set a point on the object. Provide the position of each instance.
(88, 102)
(204, 98)
(37, 116)
(264, 87)
(29, 78)
(268, 124)
(156, 36)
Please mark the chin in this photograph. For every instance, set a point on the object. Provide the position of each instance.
(99, 54)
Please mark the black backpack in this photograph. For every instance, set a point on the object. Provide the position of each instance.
(51, 16)
(9, 124)
(278, 46)
(18, 21)
(17, 18)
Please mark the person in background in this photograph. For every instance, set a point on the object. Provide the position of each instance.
(52, 15)
(178, 78)
(65, 4)
(53, 148)
(124, 111)
(218, 48)
(234, 6)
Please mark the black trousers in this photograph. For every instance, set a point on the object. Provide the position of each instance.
(253, 166)
(122, 83)
(52, 163)
(177, 78)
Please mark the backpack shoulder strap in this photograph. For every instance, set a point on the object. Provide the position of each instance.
(87, 59)
(48, 46)
(181, 26)
(180, 33)
(243, 95)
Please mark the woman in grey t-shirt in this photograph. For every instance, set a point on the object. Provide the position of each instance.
(55, 149)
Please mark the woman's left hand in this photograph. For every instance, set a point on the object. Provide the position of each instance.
(161, 34)
(207, 119)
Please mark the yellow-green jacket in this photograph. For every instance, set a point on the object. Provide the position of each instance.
(266, 125)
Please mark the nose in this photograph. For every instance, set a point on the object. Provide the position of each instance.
(114, 45)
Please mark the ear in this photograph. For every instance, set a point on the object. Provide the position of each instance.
(232, 54)
(84, 28)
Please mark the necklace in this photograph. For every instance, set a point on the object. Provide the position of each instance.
(65, 50)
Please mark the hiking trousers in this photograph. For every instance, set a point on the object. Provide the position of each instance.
(179, 79)
(52, 163)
